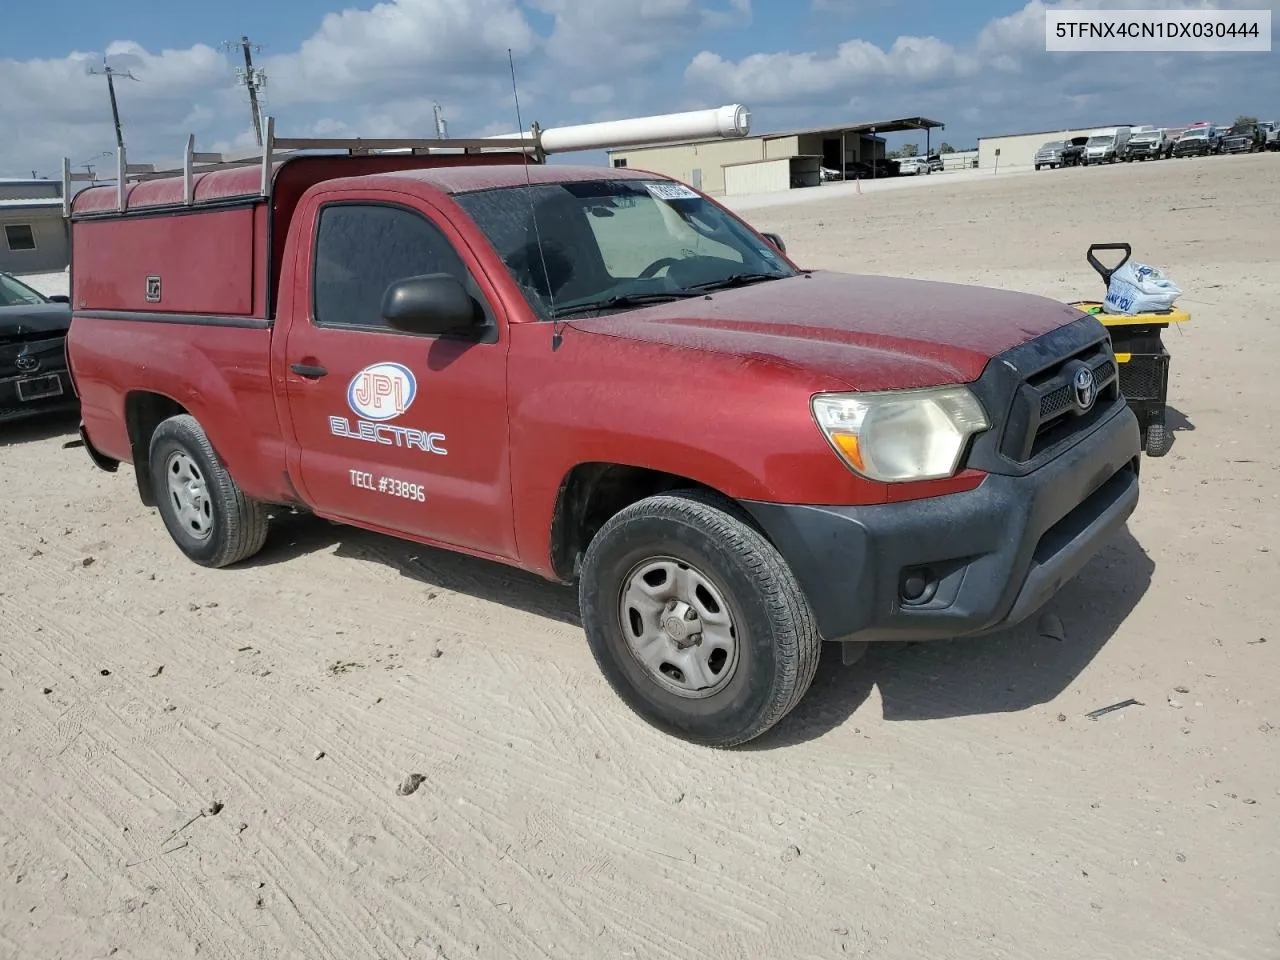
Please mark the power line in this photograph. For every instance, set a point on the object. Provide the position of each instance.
(112, 73)
(251, 77)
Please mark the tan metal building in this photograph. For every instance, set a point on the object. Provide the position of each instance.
(703, 164)
(1019, 149)
(33, 235)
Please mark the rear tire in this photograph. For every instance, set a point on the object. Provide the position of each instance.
(206, 513)
(695, 619)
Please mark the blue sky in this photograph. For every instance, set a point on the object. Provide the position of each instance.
(979, 66)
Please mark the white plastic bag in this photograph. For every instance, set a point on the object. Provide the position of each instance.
(1138, 288)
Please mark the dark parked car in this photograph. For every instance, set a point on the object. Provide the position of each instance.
(1244, 138)
(33, 359)
(1050, 155)
(1198, 142)
(1073, 151)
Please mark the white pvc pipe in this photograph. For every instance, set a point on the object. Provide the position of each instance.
(731, 120)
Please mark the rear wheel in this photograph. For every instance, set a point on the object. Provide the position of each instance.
(206, 513)
(695, 619)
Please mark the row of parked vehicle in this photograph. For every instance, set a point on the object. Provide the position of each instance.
(884, 167)
(1127, 144)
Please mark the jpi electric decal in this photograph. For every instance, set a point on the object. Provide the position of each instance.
(379, 393)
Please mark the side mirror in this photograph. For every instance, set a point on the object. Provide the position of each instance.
(59, 298)
(776, 241)
(432, 304)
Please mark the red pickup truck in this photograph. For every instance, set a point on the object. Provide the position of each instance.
(602, 376)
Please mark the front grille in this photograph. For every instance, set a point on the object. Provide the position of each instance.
(1045, 412)
(1028, 395)
(49, 354)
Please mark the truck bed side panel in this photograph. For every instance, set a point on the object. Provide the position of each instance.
(218, 374)
(205, 263)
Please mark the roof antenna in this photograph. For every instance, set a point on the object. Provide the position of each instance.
(556, 334)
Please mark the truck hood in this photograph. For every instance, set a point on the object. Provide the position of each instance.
(870, 332)
(28, 319)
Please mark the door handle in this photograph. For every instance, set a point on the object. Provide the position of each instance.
(310, 371)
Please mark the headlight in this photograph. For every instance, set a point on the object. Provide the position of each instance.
(901, 435)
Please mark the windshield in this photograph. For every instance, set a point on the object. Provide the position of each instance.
(15, 294)
(1053, 145)
(602, 245)
(1100, 141)
(1193, 134)
(1144, 137)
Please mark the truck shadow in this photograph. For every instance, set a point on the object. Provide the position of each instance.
(45, 427)
(295, 535)
(1013, 670)
(1006, 672)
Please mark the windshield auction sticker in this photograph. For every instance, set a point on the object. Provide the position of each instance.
(1157, 31)
(670, 191)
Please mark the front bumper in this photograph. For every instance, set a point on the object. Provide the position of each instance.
(34, 380)
(994, 554)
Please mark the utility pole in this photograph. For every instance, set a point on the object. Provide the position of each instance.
(111, 74)
(442, 125)
(251, 77)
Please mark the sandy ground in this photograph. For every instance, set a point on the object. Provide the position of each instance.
(944, 800)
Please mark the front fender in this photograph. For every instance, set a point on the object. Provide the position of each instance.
(740, 425)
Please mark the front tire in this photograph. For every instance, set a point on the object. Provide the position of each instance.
(695, 619)
(206, 513)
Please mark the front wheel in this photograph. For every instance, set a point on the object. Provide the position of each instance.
(206, 513)
(695, 619)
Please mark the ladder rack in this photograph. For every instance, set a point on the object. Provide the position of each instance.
(277, 148)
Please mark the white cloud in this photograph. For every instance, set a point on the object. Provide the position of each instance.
(377, 72)
(428, 45)
(596, 36)
(1000, 81)
(785, 77)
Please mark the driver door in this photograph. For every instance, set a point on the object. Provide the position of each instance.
(405, 433)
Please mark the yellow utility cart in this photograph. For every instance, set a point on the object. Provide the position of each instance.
(1140, 353)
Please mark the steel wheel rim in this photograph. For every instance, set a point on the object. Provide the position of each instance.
(189, 492)
(679, 627)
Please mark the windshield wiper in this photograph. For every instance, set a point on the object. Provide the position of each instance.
(733, 280)
(622, 301)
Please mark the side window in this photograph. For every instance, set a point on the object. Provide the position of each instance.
(361, 249)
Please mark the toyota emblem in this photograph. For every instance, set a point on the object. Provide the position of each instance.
(1086, 388)
(26, 364)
